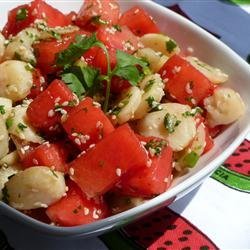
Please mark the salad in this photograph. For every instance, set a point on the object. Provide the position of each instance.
(100, 111)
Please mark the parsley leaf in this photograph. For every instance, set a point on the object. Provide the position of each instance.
(2, 109)
(75, 50)
(170, 122)
(21, 126)
(98, 20)
(126, 67)
(170, 45)
(154, 105)
(21, 14)
(73, 83)
(9, 122)
(81, 79)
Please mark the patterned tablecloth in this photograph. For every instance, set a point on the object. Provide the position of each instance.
(216, 215)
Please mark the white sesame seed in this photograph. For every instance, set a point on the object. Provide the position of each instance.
(71, 171)
(113, 117)
(27, 147)
(176, 69)
(113, 6)
(99, 124)
(35, 161)
(77, 141)
(188, 88)
(22, 151)
(66, 188)
(190, 50)
(66, 103)
(193, 101)
(57, 100)
(91, 146)
(51, 113)
(95, 215)
(97, 104)
(85, 211)
(118, 172)
(149, 163)
(164, 72)
(136, 11)
(166, 180)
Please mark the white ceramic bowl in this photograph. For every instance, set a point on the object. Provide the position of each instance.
(207, 48)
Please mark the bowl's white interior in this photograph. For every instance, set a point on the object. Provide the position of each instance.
(212, 51)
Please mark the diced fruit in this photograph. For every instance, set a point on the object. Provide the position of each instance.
(23, 16)
(94, 13)
(185, 83)
(86, 124)
(139, 21)
(39, 84)
(155, 177)
(46, 51)
(100, 169)
(50, 155)
(122, 38)
(75, 209)
(45, 111)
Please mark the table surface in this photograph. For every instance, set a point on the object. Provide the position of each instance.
(203, 219)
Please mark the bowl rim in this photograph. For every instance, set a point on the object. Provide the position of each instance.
(109, 222)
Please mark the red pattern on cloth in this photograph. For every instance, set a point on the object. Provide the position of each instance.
(239, 161)
(166, 229)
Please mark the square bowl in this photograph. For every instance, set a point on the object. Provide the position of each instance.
(207, 48)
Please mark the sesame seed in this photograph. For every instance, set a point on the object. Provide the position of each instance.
(66, 103)
(188, 88)
(193, 101)
(113, 117)
(57, 100)
(166, 180)
(71, 171)
(99, 124)
(118, 172)
(27, 147)
(66, 188)
(77, 141)
(95, 215)
(149, 163)
(176, 69)
(22, 151)
(91, 146)
(85, 211)
(35, 161)
(96, 104)
(99, 211)
(51, 113)
(190, 50)
(113, 6)
(136, 11)
(164, 72)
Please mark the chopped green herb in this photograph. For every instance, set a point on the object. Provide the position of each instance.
(156, 146)
(149, 85)
(193, 112)
(17, 56)
(170, 45)
(21, 126)
(9, 122)
(98, 20)
(117, 109)
(54, 173)
(75, 50)
(6, 195)
(191, 159)
(2, 109)
(117, 27)
(126, 67)
(29, 67)
(21, 14)
(155, 106)
(81, 79)
(171, 122)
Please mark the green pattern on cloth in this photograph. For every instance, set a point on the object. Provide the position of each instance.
(232, 179)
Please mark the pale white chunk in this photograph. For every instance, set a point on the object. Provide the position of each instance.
(35, 187)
